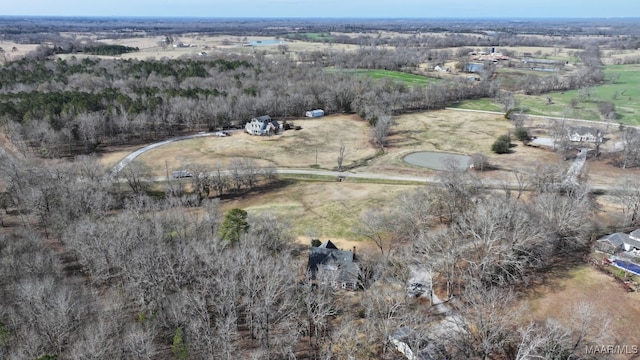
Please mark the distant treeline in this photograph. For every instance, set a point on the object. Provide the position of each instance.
(110, 50)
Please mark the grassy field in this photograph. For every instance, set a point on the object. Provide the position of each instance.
(409, 79)
(322, 201)
(318, 36)
(623, 93)
(332, 208)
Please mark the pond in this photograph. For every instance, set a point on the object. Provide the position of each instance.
(265, 42)
(438, 160)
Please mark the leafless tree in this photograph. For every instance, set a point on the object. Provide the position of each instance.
(374, 225)
(627, 193)
(507, 100)
(320, 307)
(137, 176)
(483, 324)
(381, 129)
(631, 148)
(552, 339)
(342, 151)
(219, 179)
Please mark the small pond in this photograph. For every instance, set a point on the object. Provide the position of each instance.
(266, 42)
(438, 160)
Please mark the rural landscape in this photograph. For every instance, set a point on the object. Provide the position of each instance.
(319, 188)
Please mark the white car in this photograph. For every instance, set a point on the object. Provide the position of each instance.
(221, 133)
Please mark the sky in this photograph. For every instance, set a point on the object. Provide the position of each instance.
(325, 8)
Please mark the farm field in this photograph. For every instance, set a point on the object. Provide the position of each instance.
(213, 45)
(624, 93)
(316, 145)
(328, 208)
(409, 79)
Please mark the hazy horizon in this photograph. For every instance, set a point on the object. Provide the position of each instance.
(375, 9)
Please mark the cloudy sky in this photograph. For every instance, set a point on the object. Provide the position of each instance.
(326, 8)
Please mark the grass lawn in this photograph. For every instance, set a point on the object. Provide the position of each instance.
(318, 36)
(409, 79)
(623, 93)
(484, 104)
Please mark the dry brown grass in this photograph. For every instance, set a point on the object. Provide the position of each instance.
(319, 139)
(332, 209)
(566, 288)
(10, 55)
(455, 132)
(322, 210)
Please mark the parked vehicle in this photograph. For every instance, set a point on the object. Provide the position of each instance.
(179, 174)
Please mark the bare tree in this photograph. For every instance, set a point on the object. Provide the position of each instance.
(483, 325)
(342, 151)
(627, 193)
(374, 225)
(554, 340)
(137, 176)
(381, 130)
(631, 148)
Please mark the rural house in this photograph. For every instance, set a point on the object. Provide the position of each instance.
(328, 257)
(263, 125)
(618, 242)
(585, 134)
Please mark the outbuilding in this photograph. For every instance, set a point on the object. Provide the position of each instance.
(315, 113)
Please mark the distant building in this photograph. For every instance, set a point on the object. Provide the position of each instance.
(473, 68)
(263, 125)
(315, 113)
(585, 134)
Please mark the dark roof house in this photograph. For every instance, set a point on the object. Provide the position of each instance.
(329, 258)
(614, 243)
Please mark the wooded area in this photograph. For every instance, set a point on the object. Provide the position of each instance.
(102, 267)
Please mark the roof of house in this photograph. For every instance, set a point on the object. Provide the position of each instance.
(263, 118)
(620, 239)
(328, 255)
(584, 130)
(328, 245)
(634, 238)
(617, 239)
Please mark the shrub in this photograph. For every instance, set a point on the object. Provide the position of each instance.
(501, 145)
(522, 134)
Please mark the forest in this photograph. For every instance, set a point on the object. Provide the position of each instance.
(130, 267)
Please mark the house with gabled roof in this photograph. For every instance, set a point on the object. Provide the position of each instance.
(618, 242)
(328, 257)
(585, 134)
(262, 125)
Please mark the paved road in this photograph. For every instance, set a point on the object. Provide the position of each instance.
(129, 158)
(575, 168)
(117, 168)
(360, 175)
